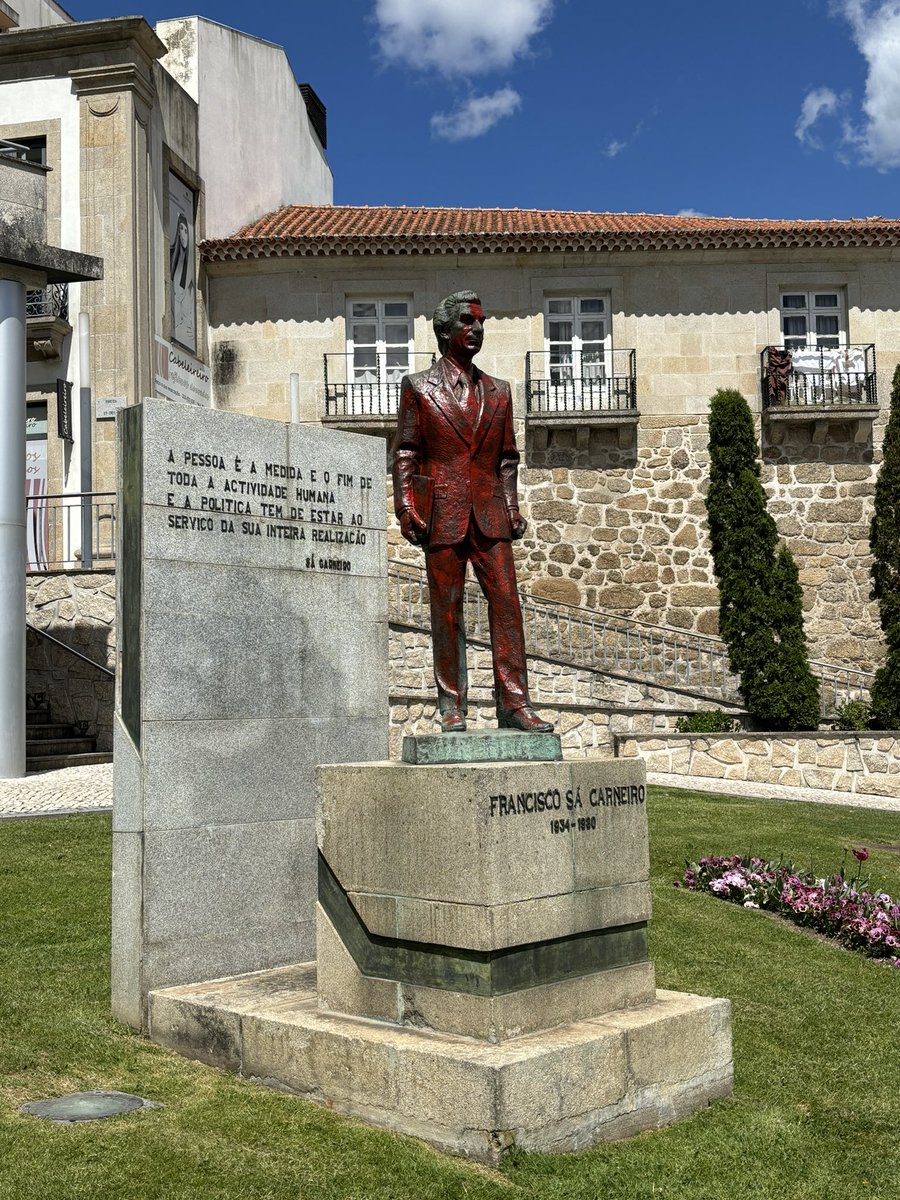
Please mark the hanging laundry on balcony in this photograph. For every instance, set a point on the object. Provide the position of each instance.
(843, 359)
(778, 371)
(839, 374)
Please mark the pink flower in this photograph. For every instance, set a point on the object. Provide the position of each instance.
(861, 855)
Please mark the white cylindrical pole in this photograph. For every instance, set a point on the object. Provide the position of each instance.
(295, 398)
(13, 546)
(85, 435)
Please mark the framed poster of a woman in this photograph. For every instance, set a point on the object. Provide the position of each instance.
(182, 267)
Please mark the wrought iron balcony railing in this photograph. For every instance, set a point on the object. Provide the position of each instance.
(818, 378)
(580, 383)
(76, 531)
(357, 393)
(51, 301)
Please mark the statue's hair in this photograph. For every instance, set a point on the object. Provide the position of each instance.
(447, 312)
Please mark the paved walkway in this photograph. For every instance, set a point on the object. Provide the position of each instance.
(774, 791)
(72, 790)
(89, 789)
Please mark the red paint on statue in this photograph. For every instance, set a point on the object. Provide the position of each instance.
(455, 428)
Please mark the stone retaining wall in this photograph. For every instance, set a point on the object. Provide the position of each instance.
(592, 706)
(551, 683)
(859, 764)
(624, 529)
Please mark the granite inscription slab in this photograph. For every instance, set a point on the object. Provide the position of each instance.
(253, 646)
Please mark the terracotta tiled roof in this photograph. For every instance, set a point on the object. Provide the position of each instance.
(326, 229)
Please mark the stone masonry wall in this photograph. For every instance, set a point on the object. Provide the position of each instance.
(590, 707)
(859, 764)
(78, 609)
(624, 529)
(617, 515)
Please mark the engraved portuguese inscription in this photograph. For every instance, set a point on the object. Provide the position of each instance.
(569, 811)
(231, 496)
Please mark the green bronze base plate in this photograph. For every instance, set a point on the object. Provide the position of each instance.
(481, 745)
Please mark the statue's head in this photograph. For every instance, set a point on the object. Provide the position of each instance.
(447, 314)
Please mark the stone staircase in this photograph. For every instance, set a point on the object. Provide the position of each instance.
(51, 745)
(684, 664)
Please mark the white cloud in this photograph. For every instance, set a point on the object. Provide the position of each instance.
(615, 146)
(435, 34)
(873, 136)
(876, 31)
(691, 212)
(819, 102)
(476, 116)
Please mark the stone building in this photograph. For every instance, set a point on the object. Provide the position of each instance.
(137, 131)
(140, 129)
(614, 330)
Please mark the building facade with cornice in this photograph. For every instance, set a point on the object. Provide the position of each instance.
(138, 129)
(614, 330)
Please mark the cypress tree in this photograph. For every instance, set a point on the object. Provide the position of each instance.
(760, 609)
(884, 540)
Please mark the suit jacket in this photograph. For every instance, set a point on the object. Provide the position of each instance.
(474, 469)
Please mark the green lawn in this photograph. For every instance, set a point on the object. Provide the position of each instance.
(816, 1038)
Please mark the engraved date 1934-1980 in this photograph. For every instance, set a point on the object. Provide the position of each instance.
(572, 824)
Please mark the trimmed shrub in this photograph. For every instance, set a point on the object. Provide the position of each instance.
(760, 609)
(884, 539)
(712, 721)
(853, 715)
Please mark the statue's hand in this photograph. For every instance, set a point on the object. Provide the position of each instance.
(518, 524)
(412, 526)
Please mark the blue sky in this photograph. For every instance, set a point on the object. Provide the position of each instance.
(782, 108)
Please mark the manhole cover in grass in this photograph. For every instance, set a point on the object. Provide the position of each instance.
(85, 1106)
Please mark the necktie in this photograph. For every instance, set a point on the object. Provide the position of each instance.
(468, 398)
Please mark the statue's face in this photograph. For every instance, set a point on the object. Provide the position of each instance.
(466, 334)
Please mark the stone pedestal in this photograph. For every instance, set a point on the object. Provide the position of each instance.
(487, 900)
(482, 978)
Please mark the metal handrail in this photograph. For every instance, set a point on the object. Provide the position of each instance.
(58, 523)
(596, 640)
(70, 649)
(567, 633)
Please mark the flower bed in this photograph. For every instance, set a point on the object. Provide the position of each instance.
(837, 907)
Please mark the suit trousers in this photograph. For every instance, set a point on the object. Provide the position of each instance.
(492, 562)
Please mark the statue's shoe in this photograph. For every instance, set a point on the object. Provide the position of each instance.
(453, 721)
(525, 719)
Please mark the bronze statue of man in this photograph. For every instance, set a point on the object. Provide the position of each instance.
(455, 466)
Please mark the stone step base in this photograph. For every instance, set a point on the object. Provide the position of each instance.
(57, 762)
(72, 743)
(556, 1090)
(47, 731)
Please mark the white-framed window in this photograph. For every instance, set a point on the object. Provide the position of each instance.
(577, 338)
(379, 341)
(813, 320)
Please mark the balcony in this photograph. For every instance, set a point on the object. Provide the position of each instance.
(47, 321)
(366, 399)
(581, 390)
(819, 386)
(71, 532)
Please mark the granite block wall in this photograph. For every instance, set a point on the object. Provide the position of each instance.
(857, 764)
